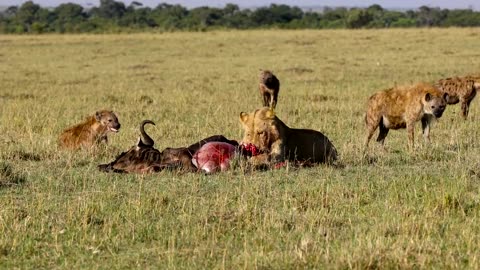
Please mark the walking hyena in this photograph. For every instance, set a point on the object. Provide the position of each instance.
(460, 89)
(401, 107)
(269, 87)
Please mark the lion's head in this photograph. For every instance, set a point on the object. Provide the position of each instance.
(261, 128)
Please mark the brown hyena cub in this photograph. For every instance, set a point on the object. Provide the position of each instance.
(90, 132)
(460, 89)
(269, 87)
(401, 107)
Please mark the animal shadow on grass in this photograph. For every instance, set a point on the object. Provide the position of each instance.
(475, 171)
(23, 155)
(9, 177)
(318, 98)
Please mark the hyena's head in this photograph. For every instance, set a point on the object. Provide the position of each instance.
(435, 103)
(108, 119)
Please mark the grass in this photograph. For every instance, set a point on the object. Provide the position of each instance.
(393, 209)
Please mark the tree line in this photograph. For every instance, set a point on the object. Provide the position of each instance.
(113, 16)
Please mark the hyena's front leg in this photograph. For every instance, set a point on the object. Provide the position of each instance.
(411, 135)
(426, 119)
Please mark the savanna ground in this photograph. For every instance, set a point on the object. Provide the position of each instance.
(393, 209)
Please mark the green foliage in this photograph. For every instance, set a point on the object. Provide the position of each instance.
(462, 18)
(358, 18)
(113, 16)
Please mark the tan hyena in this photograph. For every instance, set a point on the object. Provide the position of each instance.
(90, 132)
(269, 87)
(402, 107)
(460, 89)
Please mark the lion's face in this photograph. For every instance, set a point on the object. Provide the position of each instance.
(435, 104)
(260, 128)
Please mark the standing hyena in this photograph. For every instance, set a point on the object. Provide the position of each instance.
(402, 107)
(460, 89)
(269, 87)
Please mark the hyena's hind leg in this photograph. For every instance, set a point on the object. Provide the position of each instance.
(382, 134)
(273, 100)
(466, 105)
(372, 121)
(267, 97)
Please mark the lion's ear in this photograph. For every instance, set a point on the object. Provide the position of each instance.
(270, 114)
(243, 117)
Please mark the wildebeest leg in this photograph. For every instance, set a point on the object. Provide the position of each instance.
(109, 168)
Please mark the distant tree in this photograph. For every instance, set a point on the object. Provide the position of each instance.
(235, 18)
(109, 9)
(427, 16)
(230, 10)
(137, 17)
(113, 16)
(11, 11)
(169, 16)
(358, 18)
(45, 21)
(403, 23)
(26, 15)
(309, 20)
(462, 17)
(275, 14)
(136, 4)
(375, 8)
(69, 17)
(203, 17)
(334, 18)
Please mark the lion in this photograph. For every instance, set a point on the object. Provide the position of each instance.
(401, 107)
(460, 89)
(269, 87)
(277, 143)
(91, 132)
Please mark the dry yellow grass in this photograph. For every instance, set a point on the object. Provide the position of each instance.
(392, 210)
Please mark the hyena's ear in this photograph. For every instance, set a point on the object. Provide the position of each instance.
(428, 96)
(270, 114)
(243, 117)
(98, 116)
(445, 96)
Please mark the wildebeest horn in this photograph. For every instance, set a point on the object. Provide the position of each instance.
(145, 140)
